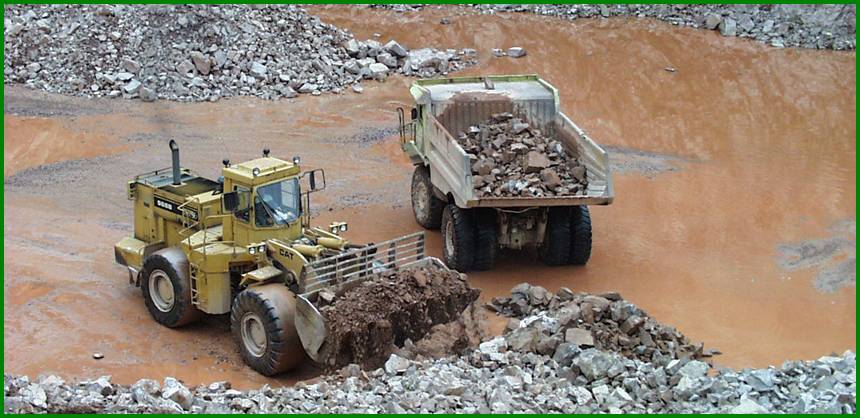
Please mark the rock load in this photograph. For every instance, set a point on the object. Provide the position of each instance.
(367, 323)
(512, 158)
(563, 324)
(199, 52)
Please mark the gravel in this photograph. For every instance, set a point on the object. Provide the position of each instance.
(199, 52)
(516, 372)
(819, 26)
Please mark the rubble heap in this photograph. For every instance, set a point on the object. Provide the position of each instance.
(367, 323)
(509, 373)
(199, 52)
(512, 158)
(563, 324)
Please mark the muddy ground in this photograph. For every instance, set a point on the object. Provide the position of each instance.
(754, 149)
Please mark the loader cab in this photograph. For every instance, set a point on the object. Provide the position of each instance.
(264, 196)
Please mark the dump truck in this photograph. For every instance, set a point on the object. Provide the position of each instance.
(474, 228)
(243, 245)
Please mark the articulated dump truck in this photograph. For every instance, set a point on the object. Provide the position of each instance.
(244, 245)
(474, 227)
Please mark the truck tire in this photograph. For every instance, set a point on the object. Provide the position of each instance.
(487, 240)
(425, 205)
(166, 288)
(580, 235)
(262, 322)
(458, 238)
(556, 244)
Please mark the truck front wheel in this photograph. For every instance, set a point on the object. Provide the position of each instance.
(580, 235)
(262, 324)
(556, 244)
(166, 288)
(458, 238)
(425, 205)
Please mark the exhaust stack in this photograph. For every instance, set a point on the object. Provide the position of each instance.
(174, 150)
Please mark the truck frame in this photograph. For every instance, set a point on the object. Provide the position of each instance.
(475, 228)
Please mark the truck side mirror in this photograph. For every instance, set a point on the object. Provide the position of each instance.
(230, 201)
(414, 113)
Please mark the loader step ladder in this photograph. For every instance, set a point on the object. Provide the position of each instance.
(193, 272)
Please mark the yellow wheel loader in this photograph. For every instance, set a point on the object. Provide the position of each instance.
(244, 245)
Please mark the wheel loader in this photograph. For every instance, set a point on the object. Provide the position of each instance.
(243, 245)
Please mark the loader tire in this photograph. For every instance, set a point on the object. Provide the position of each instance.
(487, 240)
(556, 244)
(166, 288)
(580, 236)
(262, 322)
(458, 238)
(425, 205)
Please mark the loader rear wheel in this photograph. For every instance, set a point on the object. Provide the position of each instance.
(556, 244)
(487, 240)
(580, 235)
(166, 288)
(458, 238)
(262, 321)
(425, 205)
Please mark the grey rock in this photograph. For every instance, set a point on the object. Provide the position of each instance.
(131, 87)
(516, 52)
(728, 27)
(147, 94)
(396, 49)
(201, 62)
(579, 337)
(713, 21)
(258, 70)
(177, 392)
(396, 364)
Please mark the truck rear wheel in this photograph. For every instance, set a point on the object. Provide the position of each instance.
(556, 244)
(458, 238)
(580, 235)
(487, 240)
(166, 288)
(262, 321)
(425, 205)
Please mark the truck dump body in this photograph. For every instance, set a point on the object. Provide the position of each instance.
(450, 106)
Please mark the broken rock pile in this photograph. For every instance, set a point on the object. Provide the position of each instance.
(504, 374)
(512, 158)
(563, 324)
(199, 52)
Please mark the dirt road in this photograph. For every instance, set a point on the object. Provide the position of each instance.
(761, 142)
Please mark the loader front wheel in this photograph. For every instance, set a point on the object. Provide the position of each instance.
(580, 236)
(166, 288)
(262, 321)
(458, 238)
(425, 205)
(556, 244)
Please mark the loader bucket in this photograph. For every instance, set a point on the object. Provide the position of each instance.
(337, 274)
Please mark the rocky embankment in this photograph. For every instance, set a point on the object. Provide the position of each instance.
(819, 26)
(199, 52)
(565, 352)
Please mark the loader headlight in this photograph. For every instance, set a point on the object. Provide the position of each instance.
(256, 171)
(337, 227)
(256, 249)
(261, 249)
(252, 250)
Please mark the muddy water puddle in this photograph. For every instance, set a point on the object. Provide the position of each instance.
(741, 150)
